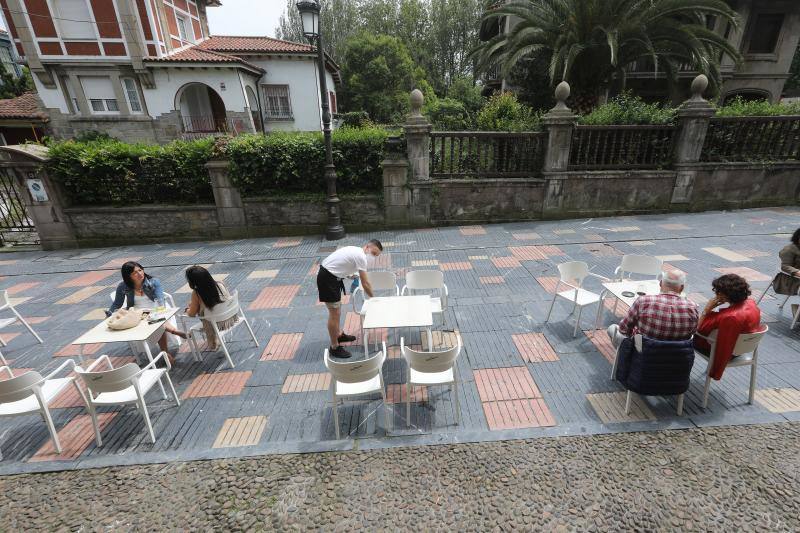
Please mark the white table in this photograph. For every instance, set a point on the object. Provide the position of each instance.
(139, 335)
(392, 312)
(616, 288)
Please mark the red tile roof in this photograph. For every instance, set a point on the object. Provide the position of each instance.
(194, 54)
(22, 107)
(232, 43)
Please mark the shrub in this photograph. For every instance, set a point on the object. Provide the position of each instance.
(448, 115)
(356, 119)
(738, 107)
(626, 108)
(295, 162)
(110, 172)
(503, 112)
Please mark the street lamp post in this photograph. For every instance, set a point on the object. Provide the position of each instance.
(309, 15)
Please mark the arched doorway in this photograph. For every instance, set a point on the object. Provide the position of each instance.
(202, 109)
(255, 109)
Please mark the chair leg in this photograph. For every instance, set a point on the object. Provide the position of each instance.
(706, 389)
(614, 366)
(765, 293)
(193, 345)
(784, 301)
(48, 419)
(146, 416)
(430, 340)
(19, 316)
(795, 317)
(3, 359)
(680, 404)
(95, 425)
(385, 407)
(577, 322)
(552, 304)
(752, 384)
(628, 403)
(172, 388)
(247, 323)
(458, 402)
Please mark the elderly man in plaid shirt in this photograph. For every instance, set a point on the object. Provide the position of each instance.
(666, 316)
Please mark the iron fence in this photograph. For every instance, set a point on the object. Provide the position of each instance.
(472, 154)
(621, 147)
(752, 139)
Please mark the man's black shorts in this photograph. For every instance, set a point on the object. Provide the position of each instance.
(329, 286)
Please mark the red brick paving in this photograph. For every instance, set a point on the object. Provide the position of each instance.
(396, 393)
(22, 287)
(508, 383)
(306, 382)
(526, 236)
(492, 280)
(472, 230)
(549, 283)
(220, 384)
(747, 273)
(517, 414)
(75, 437)
(88, 278)
(535, 253)
(506, 262)
(534, 348)
(8, 336)
(674, 227)
(275, 296)
(15, 371)
(282, 347)
(463, 265)
(622, 307)
(74, 350)
(287, 243)
(603, 344)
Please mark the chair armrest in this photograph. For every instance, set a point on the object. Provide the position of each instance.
(403, 292)
(445, 294)
(152, 364)
(354, 297)
(7, 369)
(62, 366)
(99, 360)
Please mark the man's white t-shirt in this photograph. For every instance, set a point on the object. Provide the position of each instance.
(346, 261)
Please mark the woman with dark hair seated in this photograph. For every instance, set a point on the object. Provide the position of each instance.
(741, 315)
(136, 283)
(788, 280)
(206, 294)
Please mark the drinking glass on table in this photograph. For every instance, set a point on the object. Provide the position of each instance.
(160, 305)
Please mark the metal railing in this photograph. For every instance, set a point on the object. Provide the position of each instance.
(199, 126)
(621, 147)
(752, 139)
(473, 154)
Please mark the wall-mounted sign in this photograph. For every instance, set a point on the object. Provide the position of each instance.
(36, 187)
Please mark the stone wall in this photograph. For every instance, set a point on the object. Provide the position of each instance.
(497, 200)
(282, 216)
(738, 185)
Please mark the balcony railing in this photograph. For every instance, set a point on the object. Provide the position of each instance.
(199, 126)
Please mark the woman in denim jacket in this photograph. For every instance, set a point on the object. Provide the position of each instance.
(138, 284)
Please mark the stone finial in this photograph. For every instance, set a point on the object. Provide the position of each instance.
(699, 86)
(562, 93)
(417, 100)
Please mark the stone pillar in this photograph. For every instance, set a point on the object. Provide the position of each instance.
(230, 208)
(25, 163)
(418, 139)
(693, 119)
(559, 124)
(396, 192)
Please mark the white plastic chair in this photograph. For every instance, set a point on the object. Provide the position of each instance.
(745, 353)
(356, 378)
(120, 386)
(30, 392)
(172, 321)
(380, 282)
(220, 313)
(572, 275)
(643, 265)
(431, 368)
(5, 303)
(429, 280)
(796, 314)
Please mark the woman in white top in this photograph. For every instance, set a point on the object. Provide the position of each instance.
(207, 293)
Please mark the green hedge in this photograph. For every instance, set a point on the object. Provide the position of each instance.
(296, 161)
(739, 107)
(626, 108)
(111, 172)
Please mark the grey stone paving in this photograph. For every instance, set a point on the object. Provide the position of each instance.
(741, 478)
(486, 313)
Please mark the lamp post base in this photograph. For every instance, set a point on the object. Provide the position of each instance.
(335, 233)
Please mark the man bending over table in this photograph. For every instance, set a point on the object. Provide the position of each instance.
(343, 263)
(666, 316)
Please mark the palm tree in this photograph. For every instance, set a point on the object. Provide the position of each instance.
(593, 41)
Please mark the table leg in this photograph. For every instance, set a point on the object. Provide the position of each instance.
(599, 309)
(80, 353)
(150, 358)
(365, 340)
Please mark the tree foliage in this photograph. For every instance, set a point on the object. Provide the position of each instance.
(11, 87)
(503, 112)
(591, 42)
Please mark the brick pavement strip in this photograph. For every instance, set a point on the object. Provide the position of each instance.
(741, 478)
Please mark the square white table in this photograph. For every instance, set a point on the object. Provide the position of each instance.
(140, 335)
(648, 287)
(393, 312)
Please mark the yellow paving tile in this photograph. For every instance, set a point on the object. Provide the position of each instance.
(425, 263)
(779, 400)
(244, 431)
(563, 231)
(728, 255)
(17, 301)
(183, 253)
(95, 314)
(610, 407)
(642, 243)
(80, 295)
(186, 290)
(261, 274)
(673, 258)
(477, 257)
(442, 340)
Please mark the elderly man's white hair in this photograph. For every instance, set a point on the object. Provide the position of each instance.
(674, 279)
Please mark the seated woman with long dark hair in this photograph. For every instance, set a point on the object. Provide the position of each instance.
(742, 315)
(137, 284)
(206, 294)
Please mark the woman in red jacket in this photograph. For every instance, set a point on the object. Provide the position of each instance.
(741, 316)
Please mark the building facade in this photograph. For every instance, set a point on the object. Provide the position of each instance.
(147, 70)
(767, 37)
(8, 55)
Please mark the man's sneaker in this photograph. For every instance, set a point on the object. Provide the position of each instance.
(344, 337)
(340, 352)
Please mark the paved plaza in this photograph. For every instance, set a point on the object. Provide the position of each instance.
(520, 378)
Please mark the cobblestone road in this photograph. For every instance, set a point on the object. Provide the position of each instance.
(714, 479)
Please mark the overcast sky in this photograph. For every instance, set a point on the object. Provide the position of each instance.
(241, 17)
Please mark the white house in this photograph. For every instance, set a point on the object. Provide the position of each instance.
(150, 71)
